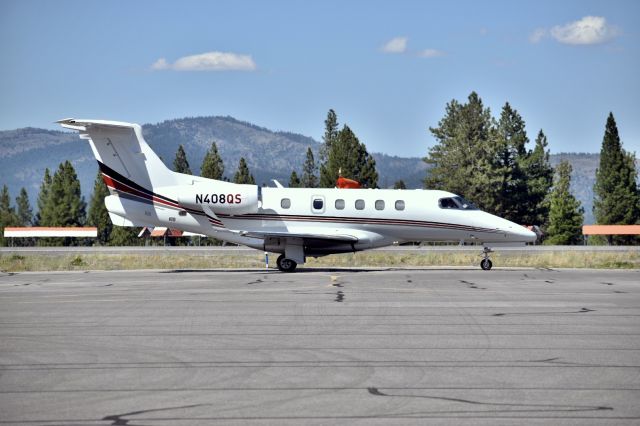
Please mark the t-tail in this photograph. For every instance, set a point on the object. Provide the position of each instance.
(120, 147)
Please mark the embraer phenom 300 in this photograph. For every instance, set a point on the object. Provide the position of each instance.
(295, 222)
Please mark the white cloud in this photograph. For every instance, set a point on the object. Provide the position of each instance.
(537, 35)
(210, 61)
(430, 53)
(395, 45)
(586, 31)
(160, 64)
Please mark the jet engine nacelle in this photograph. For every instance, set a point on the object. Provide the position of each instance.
(220, 197)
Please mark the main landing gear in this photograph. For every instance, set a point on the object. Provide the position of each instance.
(486, 263)
(286, 265)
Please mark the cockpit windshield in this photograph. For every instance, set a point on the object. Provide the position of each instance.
(457, 203)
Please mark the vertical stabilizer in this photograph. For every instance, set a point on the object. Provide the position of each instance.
(120, 147)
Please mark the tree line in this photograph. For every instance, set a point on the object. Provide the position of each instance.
(487, 160)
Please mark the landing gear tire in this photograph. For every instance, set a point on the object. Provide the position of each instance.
(486, 264)
(286, 265)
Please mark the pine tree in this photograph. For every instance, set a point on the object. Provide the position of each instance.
(24, 213)
(212, 165)
(565, 214)
(349, 158)
(368, 176)
(399, 185)
(23, 217)
(7, 213)
(73, 197)
(509, 149)
(330, 136)
(64, 204)
(539, 180)
(43, 197)
(242, 174)
(617, 200)
(294, 181)
(180, 164)
(98, 215)
(462, 161)
(309, 170)
(342, 158)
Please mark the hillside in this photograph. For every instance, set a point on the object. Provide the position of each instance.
(25, 153)
(269, 154)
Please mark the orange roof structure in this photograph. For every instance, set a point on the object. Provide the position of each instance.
(611, 230)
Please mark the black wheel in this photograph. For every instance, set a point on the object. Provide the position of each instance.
(486, 264)
(286, 265)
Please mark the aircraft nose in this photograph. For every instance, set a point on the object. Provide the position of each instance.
(520, 233)
(506, 230)
(515, 232)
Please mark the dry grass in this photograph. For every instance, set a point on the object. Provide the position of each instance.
(112, 261)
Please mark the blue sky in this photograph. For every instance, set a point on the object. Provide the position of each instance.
(387, 67)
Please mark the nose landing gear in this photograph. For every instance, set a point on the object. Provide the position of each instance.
(486, 263)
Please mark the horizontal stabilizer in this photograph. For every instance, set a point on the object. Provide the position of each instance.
(84, 125)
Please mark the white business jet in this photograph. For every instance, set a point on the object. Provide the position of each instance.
(295, 222)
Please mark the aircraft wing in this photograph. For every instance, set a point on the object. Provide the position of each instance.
(324, 235)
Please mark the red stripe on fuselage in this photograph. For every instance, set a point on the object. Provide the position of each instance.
(117, 185)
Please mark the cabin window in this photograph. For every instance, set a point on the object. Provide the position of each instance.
(400, 205)
(457, 203)
(285, 203)
(182, 213)
(359, 204)
(379, 204)
(318, 204)
(339, 204)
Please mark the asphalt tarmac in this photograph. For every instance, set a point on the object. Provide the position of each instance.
(367, 347)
